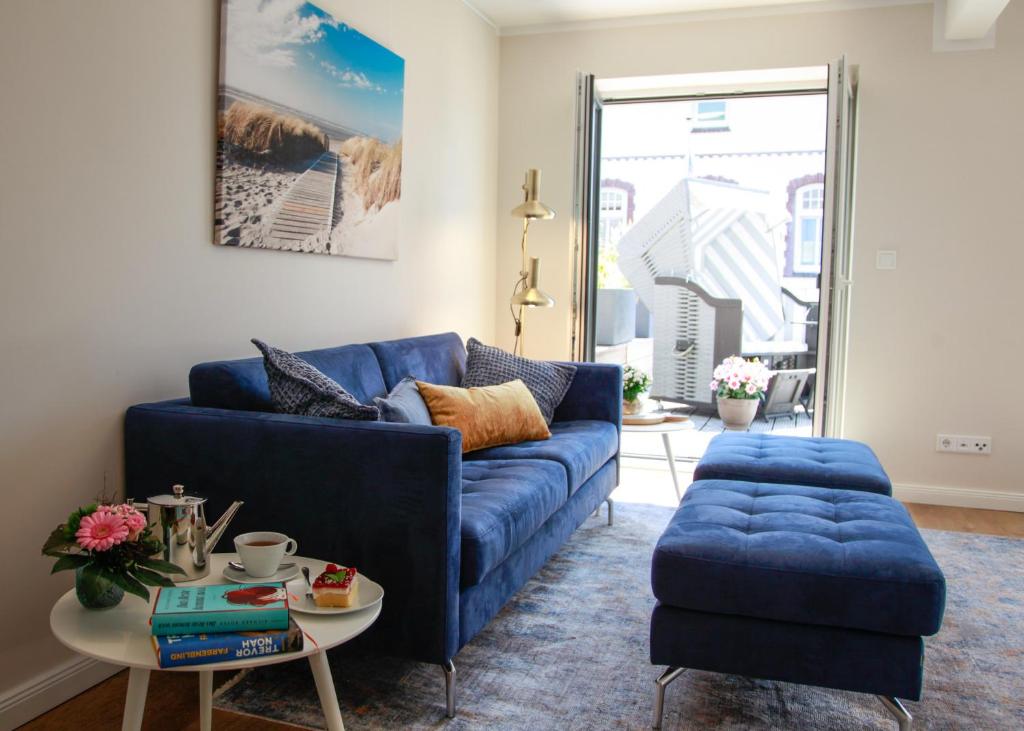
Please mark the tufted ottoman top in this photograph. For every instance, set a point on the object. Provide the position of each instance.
(840, 558)
(815, 461)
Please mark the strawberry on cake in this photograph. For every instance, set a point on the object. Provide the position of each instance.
(335, 587)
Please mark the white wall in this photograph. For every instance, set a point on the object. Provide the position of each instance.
(110, 288)
(939, 181)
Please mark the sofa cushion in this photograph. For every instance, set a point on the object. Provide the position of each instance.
(504, 502)
(298, 388)
(403, 405)
(814, 461)
(812, 555)
(242, 384)
(489, 366)
(581, 447)
(487, 416)
(432, 358)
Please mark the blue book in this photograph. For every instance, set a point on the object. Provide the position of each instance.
(189, 610)
(202, 649)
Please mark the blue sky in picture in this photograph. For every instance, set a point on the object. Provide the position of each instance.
(295, 54)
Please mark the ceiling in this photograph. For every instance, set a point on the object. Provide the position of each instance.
(515, 13)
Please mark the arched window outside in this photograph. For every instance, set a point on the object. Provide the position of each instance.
(807, 221)
(614, 213)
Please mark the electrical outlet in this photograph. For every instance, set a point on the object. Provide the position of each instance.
(963, 444)
(945, 443)
(978, 445)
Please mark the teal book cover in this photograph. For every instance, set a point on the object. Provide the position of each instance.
(220, 608)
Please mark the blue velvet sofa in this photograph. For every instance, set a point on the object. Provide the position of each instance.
(450, 536)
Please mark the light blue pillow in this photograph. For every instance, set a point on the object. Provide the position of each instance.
(404, 405)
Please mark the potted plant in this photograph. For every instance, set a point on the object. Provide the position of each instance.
(112, 549)
(634, 383)
(739, 386)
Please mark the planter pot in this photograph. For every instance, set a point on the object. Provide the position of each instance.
(96, 593)
(616, 316)
(737, 413)
(632, 408)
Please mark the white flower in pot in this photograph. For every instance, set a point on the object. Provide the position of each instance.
(634, 384)
(739, 386)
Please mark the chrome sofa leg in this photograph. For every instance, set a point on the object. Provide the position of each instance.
(903, 717)
(659, 693)
(611, 506)
(449, 687)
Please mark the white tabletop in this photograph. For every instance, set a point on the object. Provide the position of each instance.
(661, 427)
(121, 635)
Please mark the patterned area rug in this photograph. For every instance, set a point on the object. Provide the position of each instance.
(570, 652)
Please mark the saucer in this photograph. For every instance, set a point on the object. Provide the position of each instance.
(240, 577)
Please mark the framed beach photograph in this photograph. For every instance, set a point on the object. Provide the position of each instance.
(309, 133)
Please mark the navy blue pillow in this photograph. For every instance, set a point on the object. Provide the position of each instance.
(296, 387)
(403, 405)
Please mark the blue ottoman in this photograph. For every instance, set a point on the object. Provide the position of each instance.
(811, 585)
(814, 461)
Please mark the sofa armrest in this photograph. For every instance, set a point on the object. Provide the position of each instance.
(385, 498)
(595, 393)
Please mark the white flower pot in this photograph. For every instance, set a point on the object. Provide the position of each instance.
(737, 413)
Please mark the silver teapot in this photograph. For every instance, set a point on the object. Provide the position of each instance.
(179, 521)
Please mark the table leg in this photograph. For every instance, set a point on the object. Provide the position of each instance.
(671, 463)
(325, 689)
(205, 700)
(135, 700)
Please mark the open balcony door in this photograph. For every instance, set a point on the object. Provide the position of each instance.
(586, 209)
(837, 250)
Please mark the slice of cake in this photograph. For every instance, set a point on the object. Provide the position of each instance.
(335, 587)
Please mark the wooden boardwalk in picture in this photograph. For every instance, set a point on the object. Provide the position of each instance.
(307, 209)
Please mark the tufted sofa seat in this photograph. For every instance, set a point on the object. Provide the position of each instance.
(818, 462)
(838, 558)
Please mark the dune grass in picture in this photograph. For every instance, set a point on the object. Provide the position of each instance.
(309, 148)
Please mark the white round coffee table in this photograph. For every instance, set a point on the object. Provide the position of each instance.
(121, 636)
(665, 428)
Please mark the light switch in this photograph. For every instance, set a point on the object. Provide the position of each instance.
(885, 259)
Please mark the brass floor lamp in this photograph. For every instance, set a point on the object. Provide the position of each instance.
(527, 292)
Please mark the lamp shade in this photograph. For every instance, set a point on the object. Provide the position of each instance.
(531, 207)
(533, 296)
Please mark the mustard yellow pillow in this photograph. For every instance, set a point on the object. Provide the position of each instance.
(486, 415)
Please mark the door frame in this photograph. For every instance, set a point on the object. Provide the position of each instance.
(836, 254)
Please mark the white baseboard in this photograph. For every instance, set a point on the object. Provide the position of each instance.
(960, 497)
(49, 689)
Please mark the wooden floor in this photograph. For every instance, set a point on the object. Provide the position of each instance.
(173, 702)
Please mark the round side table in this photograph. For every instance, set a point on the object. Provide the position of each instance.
(665, 428)
(121, 636)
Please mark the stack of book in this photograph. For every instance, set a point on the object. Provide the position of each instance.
(196, 625)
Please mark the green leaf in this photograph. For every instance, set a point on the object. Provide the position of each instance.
(150, 578)
(164, 567)
(70, 561)
(57, 543)
(129, 583)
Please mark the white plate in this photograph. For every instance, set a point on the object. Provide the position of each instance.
(368, 593)
(240, 577)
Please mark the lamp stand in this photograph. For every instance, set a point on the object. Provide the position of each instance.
(519, 346)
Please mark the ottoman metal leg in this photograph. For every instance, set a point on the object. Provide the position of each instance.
(896, 708)
(449, 688)
(659, 693)
(610, 509)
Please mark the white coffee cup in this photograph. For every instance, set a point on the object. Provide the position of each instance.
(261, 552)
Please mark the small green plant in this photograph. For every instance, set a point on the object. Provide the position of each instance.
(634, 383)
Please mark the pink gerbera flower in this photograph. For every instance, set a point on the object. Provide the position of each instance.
(101, 531)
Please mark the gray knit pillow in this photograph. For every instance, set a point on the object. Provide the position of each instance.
(296, 387)
(548, 382)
